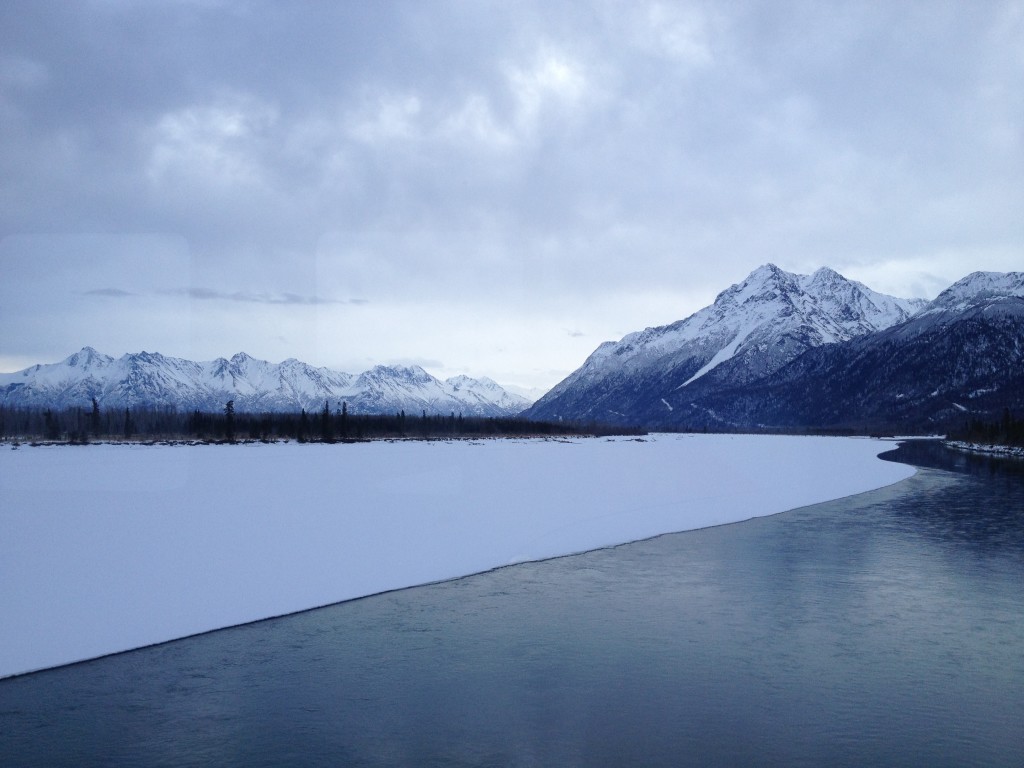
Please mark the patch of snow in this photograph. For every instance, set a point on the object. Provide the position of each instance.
(667, 405)
(529, 394)
(1006, 451)
(109, 547)
(725, 353)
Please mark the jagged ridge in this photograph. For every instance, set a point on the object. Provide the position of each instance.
(152, 379)
(753, 329)
(960, 358)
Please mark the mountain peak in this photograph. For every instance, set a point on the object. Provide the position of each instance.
(149, 379)
(752, 329)
(979, 287)
(86, 357)
(767, 274)
(827, 275)
(399, 370)
(462, 380)
(764, 283)
(146, 357)
(768, 270)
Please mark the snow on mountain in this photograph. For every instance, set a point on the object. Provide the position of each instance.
(485, 390)
(262, 386)
(960, 357)
(977, 290)
(752, 329)
(785, 351)
(790, 312)
(855, 307)
(391, 388)
(411, 389)
(530, 394)
(152, 379)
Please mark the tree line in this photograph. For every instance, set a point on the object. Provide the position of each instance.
(81, 425)
(1007, 430)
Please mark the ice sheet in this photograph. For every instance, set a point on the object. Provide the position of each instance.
(106, 548)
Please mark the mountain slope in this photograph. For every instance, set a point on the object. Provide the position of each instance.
(751, 330)
(152, 379)
(960, 358)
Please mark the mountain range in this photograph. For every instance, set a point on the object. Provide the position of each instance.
(787, 351)
(155, 380)
(776, 351)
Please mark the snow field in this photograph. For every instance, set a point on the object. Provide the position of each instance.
(107, 548)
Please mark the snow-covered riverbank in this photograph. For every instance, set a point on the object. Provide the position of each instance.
(1002, 451)
(107, 548)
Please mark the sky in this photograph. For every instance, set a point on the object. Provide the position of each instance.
(488, 188)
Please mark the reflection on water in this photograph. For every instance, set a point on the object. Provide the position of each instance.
(882, 629)
(931, 453)
(987, 511)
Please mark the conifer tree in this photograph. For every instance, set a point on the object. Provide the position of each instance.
(94, 419)
(229, 421)
(50, 425)
(325, 424)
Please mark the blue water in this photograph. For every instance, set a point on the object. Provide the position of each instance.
(884, 629)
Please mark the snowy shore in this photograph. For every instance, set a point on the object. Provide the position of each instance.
(107, 548)
(1002, 451)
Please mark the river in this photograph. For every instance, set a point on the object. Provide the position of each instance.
(885, 628)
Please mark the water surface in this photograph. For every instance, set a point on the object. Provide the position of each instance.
(886, 628)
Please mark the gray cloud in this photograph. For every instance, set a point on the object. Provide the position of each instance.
(208, 294)
(114, 293)
(616, 158)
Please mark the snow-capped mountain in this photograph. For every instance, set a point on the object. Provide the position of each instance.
(385, 389)
(960, 358)
(152, 379)
(979, 291)
(751, 330)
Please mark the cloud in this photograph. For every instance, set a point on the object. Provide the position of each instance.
(552, 81)
(22, 74)
(387, 117)
(522, 157)
(475, 121)
(213, 145)
(209, 294)
(114, 293)
(675, 31)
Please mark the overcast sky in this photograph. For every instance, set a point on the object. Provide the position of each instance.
(481, 187)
